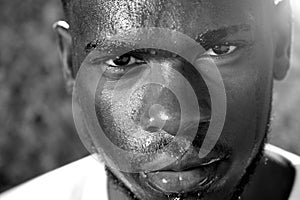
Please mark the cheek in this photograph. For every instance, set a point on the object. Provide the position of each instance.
(248, 109)
(242, 110)
(248, 81)
(249, 91)
(115, 117)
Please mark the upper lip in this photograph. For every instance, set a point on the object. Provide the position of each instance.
(190, 160)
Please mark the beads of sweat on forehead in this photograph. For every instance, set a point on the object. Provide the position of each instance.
(67, 11)
(66, 3)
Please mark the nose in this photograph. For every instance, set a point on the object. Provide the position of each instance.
(157, 119)
(168, 109)
(160, 111)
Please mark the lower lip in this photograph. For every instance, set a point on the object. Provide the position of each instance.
(170, 182)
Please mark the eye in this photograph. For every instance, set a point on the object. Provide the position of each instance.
(221, 50)
(124, 61)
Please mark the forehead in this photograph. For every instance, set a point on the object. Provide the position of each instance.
(97, 18)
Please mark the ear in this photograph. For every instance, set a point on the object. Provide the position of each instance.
(282, 29)
(65, 50)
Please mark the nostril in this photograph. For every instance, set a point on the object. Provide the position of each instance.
(152, 129)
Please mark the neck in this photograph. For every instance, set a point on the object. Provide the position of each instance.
(273, 179)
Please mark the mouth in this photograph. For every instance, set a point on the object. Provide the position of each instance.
(186, 179)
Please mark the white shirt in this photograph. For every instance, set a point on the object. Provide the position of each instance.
(86, 180)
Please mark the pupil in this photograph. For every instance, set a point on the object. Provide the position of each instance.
(122, 60)
(221, 49)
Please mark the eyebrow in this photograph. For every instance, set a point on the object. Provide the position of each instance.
(206, 39)
(93, 45)
(211, 37)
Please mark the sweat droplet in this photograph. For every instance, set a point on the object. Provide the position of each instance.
(266, 161)
(203, 182)
(153, 52)
(164, 180)
(144, 175)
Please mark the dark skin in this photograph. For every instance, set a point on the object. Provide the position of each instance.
(262, 186)
(249, 59)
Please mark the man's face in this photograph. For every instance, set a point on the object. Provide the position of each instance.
(237, 38)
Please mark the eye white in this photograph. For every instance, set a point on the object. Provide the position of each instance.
(132, 60)
(211, 52)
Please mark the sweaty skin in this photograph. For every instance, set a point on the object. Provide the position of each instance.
(239, 37)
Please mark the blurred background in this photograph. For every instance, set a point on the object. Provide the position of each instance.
(36, 127)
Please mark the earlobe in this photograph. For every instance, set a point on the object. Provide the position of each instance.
(282, 35)
(65, 50)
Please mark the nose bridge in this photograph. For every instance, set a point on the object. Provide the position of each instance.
(172, 98)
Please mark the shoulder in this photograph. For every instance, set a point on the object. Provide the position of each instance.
(75, 181)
